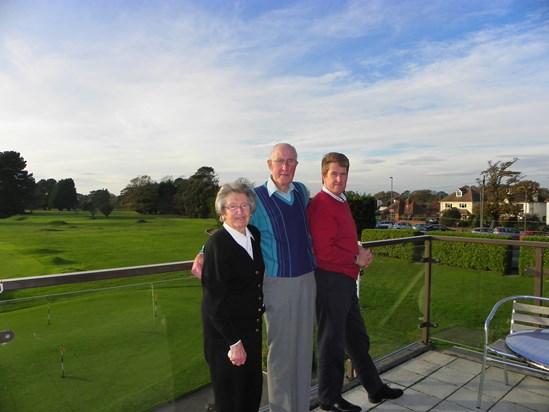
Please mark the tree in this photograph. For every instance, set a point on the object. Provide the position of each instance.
(424, 196)
(16, 184)
(245, 181)
(63, 195)
(524, 191)
(107, 208)
(405, 195)
(450, 217)
(141, 195)
(100, 200)
(196, 195)
(385, 197)
(497, 180)
(167, 189)
(42, 192)
(363, 209)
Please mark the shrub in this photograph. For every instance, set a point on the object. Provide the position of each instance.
(475, 256)
(407, 251)
(527, 255)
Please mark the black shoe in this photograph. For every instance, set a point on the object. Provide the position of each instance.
(385, 392)
(341, 406)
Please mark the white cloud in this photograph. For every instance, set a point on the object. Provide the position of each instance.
(164, 92)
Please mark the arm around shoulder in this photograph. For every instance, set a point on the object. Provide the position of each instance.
(198, 263)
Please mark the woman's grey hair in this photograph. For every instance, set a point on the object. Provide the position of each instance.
(234, 187)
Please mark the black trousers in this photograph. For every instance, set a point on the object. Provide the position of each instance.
(341, 330)
(236, 388)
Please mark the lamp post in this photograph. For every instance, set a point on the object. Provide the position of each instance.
(525, 204)
(391, 204)
(482, 202)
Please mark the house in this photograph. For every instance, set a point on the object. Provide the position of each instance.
(393, 212)
(527, 202)
(534, 208)
(415, 210)
(465, 199)
(405, 210)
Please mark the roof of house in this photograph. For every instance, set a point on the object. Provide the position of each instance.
(463, 194)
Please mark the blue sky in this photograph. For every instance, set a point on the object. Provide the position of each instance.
(424, 91)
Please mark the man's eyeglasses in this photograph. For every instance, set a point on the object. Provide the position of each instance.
(287, 162)
(233, 208)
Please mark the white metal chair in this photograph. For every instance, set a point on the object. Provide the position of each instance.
(530, 339)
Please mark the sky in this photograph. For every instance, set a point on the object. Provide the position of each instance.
(418, 94)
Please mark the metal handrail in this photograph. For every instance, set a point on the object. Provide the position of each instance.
(92, 275)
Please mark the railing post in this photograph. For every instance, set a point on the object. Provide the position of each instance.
(538, 273)
(427, 294)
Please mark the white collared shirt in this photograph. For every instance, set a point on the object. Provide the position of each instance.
(340, 198)
(271, 188)
(243, 240)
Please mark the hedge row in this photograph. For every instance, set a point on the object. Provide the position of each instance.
(527, 255)
(476, 256)
(407, 251)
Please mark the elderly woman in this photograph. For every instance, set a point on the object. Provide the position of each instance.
(232, 304)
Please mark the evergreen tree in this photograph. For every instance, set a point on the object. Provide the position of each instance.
(363, 209)
(16, 184)
(64, 195)
(42, 193)
(196, 195)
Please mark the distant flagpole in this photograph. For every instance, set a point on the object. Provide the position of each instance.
(154, 298)
(62, 350)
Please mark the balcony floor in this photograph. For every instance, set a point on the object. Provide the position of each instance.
(444, 382)
(433, 381)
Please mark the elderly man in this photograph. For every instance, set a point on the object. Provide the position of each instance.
(340, 324)
(289, 284)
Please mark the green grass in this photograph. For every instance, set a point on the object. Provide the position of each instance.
(118, 355)
(123, 352)
(392, 293)
(61, 242)
(129, 348)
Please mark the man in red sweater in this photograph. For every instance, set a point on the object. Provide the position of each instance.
(340, 324)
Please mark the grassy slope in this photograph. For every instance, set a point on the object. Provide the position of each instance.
(61, 242)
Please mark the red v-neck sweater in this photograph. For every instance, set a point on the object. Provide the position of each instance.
(333, 231)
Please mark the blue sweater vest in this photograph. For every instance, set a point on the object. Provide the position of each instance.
(285, 239)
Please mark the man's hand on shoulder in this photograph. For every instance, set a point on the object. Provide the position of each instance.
(198, 262)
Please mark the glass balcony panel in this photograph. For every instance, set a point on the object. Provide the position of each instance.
(391, 302)
(123, 348)
(461, 300)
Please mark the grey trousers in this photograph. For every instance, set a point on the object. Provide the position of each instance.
(290, 319)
